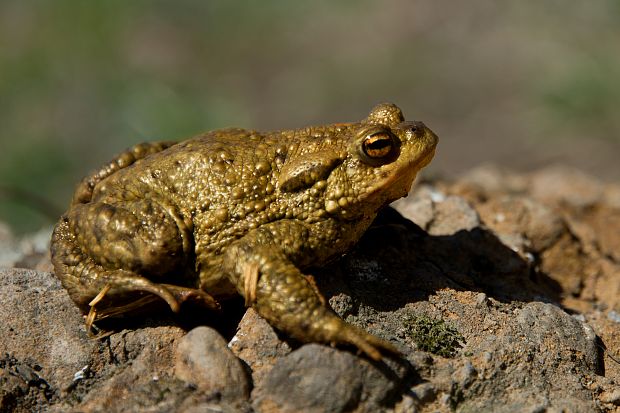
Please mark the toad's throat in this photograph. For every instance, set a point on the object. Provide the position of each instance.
(402, 179)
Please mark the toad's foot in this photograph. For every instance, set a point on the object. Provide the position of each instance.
(345, 333)
(173, 295)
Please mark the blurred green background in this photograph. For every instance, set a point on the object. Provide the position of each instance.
(522, 84)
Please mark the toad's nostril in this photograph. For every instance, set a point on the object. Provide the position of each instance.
(416, 126)
(412, 127)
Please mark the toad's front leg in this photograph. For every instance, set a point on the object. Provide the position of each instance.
(260, 265)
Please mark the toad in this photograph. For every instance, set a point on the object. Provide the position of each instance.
(237, 211)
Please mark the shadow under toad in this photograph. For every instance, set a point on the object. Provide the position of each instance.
(396, 263)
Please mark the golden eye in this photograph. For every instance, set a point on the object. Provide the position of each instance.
(378, 145)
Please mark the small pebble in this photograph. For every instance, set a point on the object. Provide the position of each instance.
(613, 316)
(204, 360)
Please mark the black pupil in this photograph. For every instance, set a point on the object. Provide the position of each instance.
(379, 143)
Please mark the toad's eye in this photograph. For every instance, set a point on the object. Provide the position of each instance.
(378, 145)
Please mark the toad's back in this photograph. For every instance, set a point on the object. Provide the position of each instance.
(220, 185)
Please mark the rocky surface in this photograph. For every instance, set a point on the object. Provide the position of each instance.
(501, 290)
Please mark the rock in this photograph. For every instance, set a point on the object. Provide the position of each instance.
(47, 359)
(137, 369)
(604, 223)
(612, 397)
(257, 344)
(437, 213)
(452, 215)
(502, 364)
(42, 328)
(419, 207)
(566, 186)
(536, 225)
(203, 360)
(213, 407)
(316, 378)
(558, 336)
(424, 392)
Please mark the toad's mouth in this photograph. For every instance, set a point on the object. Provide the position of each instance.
(422, 161)
(411, 169)
(399, 182)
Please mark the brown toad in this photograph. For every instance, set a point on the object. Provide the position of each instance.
(237, 211)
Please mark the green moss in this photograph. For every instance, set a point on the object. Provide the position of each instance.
(433, 335)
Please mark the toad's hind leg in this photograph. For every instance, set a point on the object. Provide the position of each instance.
(107, 255)
(87, 280)
(122, 283)
(173, 295)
